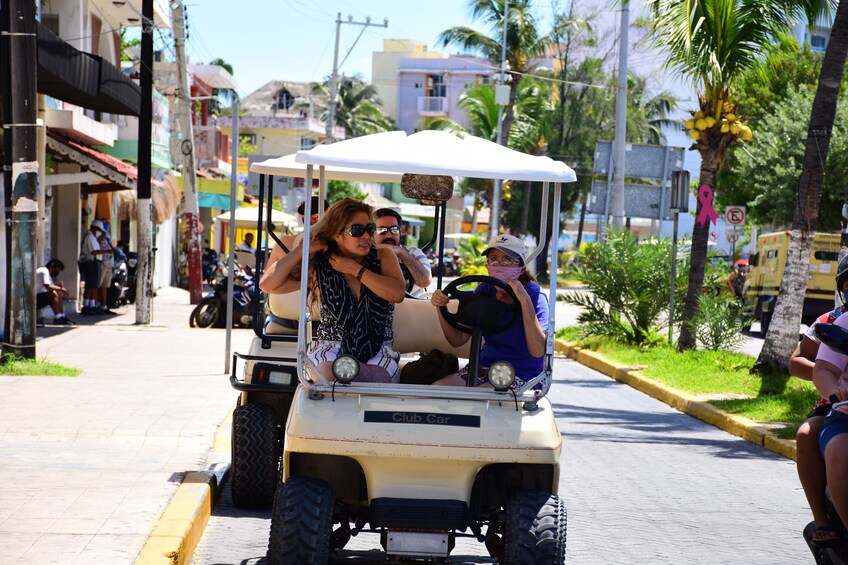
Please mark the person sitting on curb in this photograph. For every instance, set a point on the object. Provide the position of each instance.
(413, 259)
(50, 291)
(809, 461)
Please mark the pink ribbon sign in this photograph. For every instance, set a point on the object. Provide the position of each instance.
(705, 197)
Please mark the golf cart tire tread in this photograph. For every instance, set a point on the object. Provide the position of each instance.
(255, 456)
(301, 523)
(535, 529)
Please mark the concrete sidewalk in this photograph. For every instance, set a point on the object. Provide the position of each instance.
(88, 463)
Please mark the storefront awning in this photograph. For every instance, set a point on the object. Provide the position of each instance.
(121, 174)
(86, 80)
(214, 193)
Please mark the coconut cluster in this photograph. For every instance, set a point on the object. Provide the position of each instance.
(730, 123)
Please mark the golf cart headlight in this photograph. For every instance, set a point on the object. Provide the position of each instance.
(501, 375)
(345, 369)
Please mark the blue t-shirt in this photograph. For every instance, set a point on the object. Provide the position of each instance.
(511, 344)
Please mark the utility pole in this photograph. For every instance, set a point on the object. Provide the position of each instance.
(195, 277)
(334, 78)
(20, 174)
(144, 288)
(500, 90)
(620, 120)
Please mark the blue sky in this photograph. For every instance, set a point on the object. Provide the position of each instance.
(294, 39)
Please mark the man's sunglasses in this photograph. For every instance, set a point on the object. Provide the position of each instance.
(394, 230)
(358, 230)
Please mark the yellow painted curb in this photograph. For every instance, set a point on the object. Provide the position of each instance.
(178, 530)
(686, 403)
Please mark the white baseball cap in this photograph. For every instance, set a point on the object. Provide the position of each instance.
(97, 224)
(510, 245)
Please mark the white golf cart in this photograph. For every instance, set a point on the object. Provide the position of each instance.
(419, 464)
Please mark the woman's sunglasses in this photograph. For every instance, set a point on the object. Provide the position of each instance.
(358, 230)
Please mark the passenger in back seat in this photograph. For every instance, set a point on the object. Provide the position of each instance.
(356, 286)
(522, 345)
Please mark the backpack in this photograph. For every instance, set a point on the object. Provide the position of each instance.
(429, 368)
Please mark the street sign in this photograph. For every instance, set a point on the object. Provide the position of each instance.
(735, 215)
(732, 237)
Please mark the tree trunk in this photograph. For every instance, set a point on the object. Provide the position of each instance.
(710, 163)
(783, 331)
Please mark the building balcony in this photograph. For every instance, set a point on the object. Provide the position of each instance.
(72, 122)
(432, 106)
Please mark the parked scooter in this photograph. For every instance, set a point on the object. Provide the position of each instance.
(116, 295)
(449, 261)
(213, 267)
(833, 552)
(212, 310)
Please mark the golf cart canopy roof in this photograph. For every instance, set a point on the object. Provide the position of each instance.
(286, 166)
(433, 152)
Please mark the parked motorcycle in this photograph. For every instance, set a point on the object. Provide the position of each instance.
(833, 552)
(212, 310)
(213, 266)
(449, 261)
(116, 295)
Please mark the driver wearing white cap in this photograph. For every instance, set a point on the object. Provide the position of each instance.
(523, 344)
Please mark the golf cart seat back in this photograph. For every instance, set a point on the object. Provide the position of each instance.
(416, 329)
(285, 310)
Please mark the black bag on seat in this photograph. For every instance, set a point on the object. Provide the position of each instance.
(429, 368)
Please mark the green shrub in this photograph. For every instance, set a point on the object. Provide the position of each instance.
(471, 252)
(720, 321)
(628, 287)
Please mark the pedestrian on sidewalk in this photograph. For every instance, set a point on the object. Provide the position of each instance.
(89, 269)
(106, 265)
(50, 291)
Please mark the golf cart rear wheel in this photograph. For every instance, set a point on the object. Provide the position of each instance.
(535, 529)
(255, 456)
(301, 523)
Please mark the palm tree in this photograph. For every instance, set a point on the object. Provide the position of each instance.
(523, 42)
(357, 107)
(710, 43)
(648, 117)
(782, 335)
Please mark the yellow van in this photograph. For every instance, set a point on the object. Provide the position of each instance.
(766, 272)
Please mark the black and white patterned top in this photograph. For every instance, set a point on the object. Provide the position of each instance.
(361, 327)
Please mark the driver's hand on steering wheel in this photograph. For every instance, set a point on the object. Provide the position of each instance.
(439, 299)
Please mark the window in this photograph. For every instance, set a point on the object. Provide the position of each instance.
(247, 138)
(826, 256)
(436, 86)
(818, 42)
(307, 143)
(284, 100)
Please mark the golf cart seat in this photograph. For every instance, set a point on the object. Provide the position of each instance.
(416, 329)
(416, 324)
(285, 310)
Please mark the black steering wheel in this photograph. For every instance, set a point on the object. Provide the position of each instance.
(480, 311)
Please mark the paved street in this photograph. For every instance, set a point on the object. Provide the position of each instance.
(643, 483)
(89, 462)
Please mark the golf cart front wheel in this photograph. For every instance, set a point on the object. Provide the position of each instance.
(535, 529)
(301, 523)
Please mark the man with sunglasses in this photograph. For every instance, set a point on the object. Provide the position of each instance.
(413, 262)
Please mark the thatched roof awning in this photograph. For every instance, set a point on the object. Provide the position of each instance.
(165, 199)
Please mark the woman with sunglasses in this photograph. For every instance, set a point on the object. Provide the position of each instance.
(522, 345)
(356, 286)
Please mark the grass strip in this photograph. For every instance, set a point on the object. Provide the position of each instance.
(721, 378)
(15, 366)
